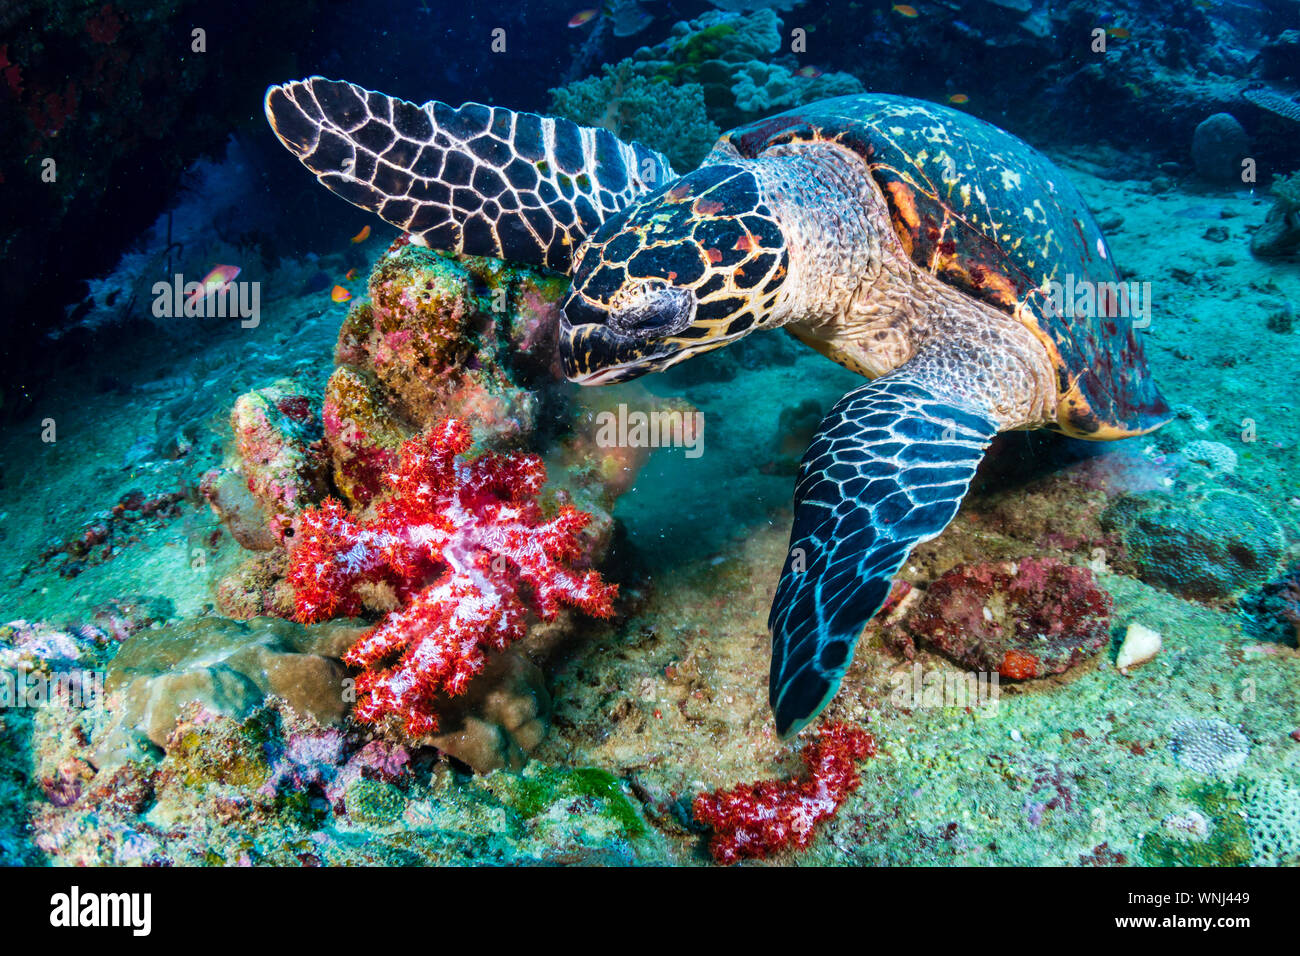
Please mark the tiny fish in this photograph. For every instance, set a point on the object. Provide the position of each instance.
(350, 274)
(905, 10)
(1118, 33)
(811, 72)
(957, 99)
(581, 17)
(363, 235)
(340, 294)
(214, 281)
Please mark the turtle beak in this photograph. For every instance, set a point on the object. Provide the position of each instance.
(597, 355)
(592, 353)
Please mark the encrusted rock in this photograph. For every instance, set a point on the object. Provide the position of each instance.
(228, 667)
(1204, 548)
(1218, 147)
(1022, 619)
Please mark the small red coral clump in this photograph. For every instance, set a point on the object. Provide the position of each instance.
(1022, 619)
(757, 820)
(459, 542)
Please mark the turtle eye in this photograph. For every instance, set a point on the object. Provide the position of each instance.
(660, 312)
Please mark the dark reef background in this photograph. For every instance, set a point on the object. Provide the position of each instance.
(115, 95)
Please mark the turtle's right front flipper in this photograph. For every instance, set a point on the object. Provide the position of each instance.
(479, 179)
(886, 471)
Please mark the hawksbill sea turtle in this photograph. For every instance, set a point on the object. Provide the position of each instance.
(910, 242)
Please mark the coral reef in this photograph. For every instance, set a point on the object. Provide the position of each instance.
(1218, 147)
(713, 72)
(462, 546)
(228, 667)
(1022, 619)
(643, 109)
(1279, 235)
(1205, 548)
(757, 820)
(1208, 745)
(762, 88)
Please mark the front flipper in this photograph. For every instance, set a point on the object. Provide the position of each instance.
(479, 179)
(887, 470)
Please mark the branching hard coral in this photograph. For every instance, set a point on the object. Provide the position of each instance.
(465, 549)
(757, 820)
(667, 117)
(717, 62)
(768, 87)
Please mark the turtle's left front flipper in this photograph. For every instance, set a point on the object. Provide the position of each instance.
(477, 179)
(887, 470)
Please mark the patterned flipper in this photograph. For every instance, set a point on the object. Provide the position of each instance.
(479, 179)
(887, 470)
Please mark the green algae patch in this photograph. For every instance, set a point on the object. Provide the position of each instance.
(202, 764)
(587, 791)
(1224, 842)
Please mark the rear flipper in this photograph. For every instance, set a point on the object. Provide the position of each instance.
(886, 471)
(479, 179)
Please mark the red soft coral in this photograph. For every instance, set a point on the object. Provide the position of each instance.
(465, 548)
(757, 820)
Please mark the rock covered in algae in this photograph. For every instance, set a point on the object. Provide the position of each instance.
(1205, 548)
(1279, 235)
(279, 465)
(1022, 619)
(228, 667)
(440, 337)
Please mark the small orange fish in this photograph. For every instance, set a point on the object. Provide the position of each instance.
(362, 236)
(903, 9)
(350, 274)
(340, 294)
(214, 281)
(811, 72)
(1118, 33)
(957, 99)
(581, 17)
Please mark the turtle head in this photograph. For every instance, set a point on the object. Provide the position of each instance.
(685, 270)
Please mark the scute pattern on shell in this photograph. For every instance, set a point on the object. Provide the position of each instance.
(991, 216)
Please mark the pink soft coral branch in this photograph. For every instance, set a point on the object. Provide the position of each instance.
(464, 547)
